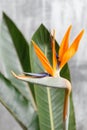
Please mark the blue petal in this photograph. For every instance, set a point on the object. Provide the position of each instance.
(36, 75)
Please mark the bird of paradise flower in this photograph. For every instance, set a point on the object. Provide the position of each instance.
(59, 60)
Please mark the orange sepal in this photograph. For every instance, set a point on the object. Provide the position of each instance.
(54, 52)
(65, 43)
(43, 59)
(72, 50)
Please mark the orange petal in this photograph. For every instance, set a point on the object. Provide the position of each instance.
(65, 43)
(54, 52)
(72, 50)
(43, 59)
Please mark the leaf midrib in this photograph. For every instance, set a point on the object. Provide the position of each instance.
(50, 108)
(49, 100)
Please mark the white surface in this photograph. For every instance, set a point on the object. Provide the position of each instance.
(28, 15)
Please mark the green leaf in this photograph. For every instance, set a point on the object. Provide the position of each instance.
(49, 100)
(18, 105)
(14, 54)
(20, 44)
(12, 48)
(52, 82)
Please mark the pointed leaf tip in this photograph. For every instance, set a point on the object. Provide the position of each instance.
(3, 13)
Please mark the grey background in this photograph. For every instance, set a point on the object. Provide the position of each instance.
(57, 14)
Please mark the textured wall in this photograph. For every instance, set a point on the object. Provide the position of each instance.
(28, 15)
